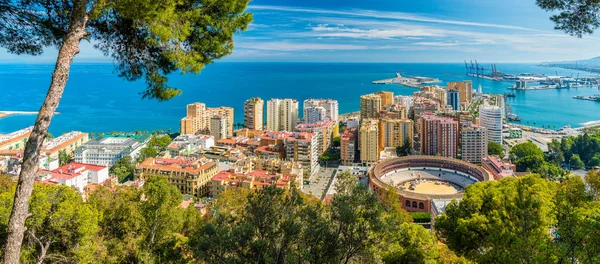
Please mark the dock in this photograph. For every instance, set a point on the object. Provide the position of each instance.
(414, 81)
(595, 98)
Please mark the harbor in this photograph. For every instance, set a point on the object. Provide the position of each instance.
(409, 81)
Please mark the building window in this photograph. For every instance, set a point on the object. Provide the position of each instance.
(421, 206)
(414, 204)
(407, 203)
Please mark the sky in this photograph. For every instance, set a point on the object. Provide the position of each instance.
(391, 31)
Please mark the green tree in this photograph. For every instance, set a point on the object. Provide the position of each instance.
(64, 158)
(502, 222)
(575, 162)
(337, 142)
(61, 227)
(592, 178)
(495, 149)
(530, 163)
(594, 161)
(345, 183)
(576, 18)
(403, 150)
(146, 39)
(525, 150)
(123, 168)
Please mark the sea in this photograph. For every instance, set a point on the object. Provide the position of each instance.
(97, 100)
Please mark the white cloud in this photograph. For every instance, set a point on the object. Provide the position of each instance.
(386, 15)
(298, 46)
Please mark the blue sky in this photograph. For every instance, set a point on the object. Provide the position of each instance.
(394, 31)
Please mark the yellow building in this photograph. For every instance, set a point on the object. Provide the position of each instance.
(67, 143)
(387, 98)
(190, 176)
(254, 113)
(465, 88)
(15, 140)
(368, 141)
(370, 105)
(395, 133)
(198, 118)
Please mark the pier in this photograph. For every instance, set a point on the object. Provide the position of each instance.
(414, 82)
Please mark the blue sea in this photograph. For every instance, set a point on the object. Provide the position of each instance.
(96, 100)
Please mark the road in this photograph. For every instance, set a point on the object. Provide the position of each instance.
(319, 182)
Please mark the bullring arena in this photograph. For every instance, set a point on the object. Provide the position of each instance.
(421, 180)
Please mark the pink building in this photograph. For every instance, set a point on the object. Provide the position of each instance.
(497, 167)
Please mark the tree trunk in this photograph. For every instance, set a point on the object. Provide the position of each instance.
(68, 50)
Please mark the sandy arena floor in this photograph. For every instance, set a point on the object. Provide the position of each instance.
(431, 187)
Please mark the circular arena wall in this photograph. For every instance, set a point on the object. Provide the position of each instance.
(413, 201)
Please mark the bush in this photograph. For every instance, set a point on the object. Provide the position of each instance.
(421, 217)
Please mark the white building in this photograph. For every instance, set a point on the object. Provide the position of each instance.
(406, 101)
(206, 141)
(219, 127)
(474, 143)
(490, 117)
(282, 114)
(320, 110)
(106, 151)
(352, 123)
(314, 114)
(76, 175)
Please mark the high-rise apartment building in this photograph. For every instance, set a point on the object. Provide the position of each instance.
(303, 148)
(323, 130)
(282, 114)
(435, 93)
(369, 141)
(219, 127)
(254, 113)
(387, 98)
(490, 117)
(198, 118)
(320, 110)
(465, 88)
(474, 143)
(393, 111)
(406, 101)
(314, 114)
(395, 132)
(454, 99)
(349, 146)
(439, 136)
(370, 105)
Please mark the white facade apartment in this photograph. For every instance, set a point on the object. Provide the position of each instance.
(490, 117)
(219, 127)
(406, 101)
(282, 114)
(107, 151)
(314, 114)
(330, 108)
(474, 144)
(206, 141)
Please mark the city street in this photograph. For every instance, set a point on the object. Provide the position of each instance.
(319, 182)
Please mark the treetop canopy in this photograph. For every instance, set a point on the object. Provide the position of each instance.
(145, 38)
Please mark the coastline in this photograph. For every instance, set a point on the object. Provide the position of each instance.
(4, 114)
